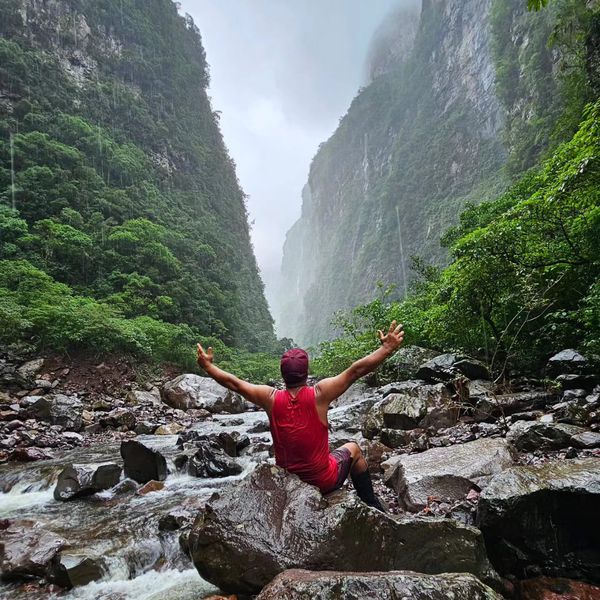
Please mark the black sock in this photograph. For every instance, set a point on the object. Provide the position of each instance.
(364, 488)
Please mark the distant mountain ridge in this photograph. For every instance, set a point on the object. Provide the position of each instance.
(429, 133)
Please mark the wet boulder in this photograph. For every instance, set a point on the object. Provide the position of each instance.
(210, 460)
(536, 435)
(439, 368)
(405, 363)
(119, 417)
(28, 371)
(142, 464)
(492, 406)
(354, 394)
(192, 391)
(56, 409)
(150, 487)
(140, 397)
(271, 521)
(403, 411)
(472, 369)
(78, 481)
(232, 442)
(574, 381)
(451, 470)
(297, 584)
(26, 549)
(540, 520)
(72, 570)
(350, 417)
(178, 518)
(567, 362)
(415, 404)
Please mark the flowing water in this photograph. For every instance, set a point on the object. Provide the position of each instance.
(142, 563)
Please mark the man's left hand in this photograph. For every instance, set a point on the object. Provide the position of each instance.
(394, 337)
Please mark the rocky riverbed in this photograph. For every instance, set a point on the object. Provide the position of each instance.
(116, 489)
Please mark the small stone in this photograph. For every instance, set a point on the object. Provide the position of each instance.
(72, 570)
(587, 439)
(547, 419)
(574, 394)
(8, 415)
(127, 486)
(145, 428)
(170, 429)
(571, 453)
(43, 384)
(28, 455)
(151, 486)
(87, 416)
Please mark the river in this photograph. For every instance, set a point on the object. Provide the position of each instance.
(142, 563)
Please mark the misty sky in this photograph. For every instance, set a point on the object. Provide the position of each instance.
(282, 73)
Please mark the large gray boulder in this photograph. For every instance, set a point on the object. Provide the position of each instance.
(78, 481)
(192, 391)
(26, 549)
(405, 363)
(297, 584)
(271, 521)
(410, 405)
(56, 409)
(543, 519)
(535, 435)
(491, 407)
(439, 368)
(448, 471)
(350, 417)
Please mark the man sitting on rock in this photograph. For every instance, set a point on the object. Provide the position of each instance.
(298, 416)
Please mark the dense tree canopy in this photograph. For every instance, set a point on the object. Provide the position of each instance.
(116, 190)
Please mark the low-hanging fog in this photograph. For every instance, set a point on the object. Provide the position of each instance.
(282, 74)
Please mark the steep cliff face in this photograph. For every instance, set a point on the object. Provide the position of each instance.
(424, 137)
(108, 138)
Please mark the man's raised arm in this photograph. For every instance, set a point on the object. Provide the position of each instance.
(257, 394)
(331, 388)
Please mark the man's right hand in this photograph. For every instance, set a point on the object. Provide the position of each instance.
(393, 338)
(205, 358)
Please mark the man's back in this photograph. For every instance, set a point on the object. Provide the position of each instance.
(301, 439)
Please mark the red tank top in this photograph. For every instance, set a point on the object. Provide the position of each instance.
(301, 440)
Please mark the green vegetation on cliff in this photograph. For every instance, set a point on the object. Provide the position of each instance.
(524, 278)
(524, 272)
(122, 223)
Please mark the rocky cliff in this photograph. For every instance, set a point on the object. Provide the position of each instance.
(114, 168)
(427, 134)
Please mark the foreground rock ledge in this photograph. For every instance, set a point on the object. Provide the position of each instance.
(543, 519)
(297, 584)
(272, 521)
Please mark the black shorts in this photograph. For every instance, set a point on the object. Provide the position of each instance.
(343, 457)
